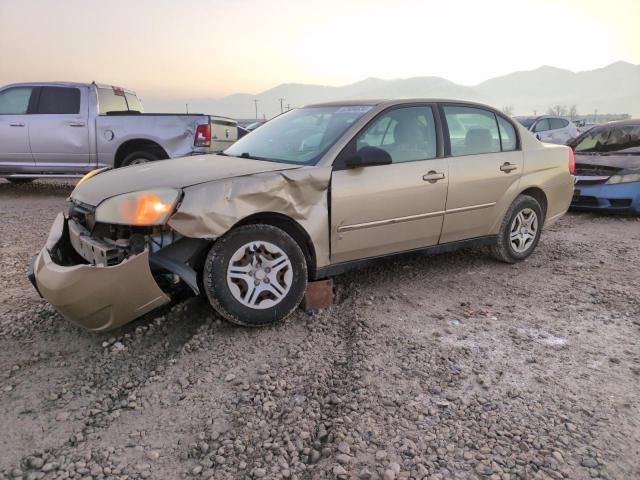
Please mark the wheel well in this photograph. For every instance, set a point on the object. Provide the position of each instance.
(293, 228)
(131, 146)
(540, 196)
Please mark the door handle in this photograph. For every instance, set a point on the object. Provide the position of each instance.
(433, 176)
(508, 167)
(16, 124)
(77, 124)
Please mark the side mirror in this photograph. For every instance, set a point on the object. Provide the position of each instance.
(368, 157)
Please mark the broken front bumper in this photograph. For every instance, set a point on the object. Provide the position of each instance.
(93, 297)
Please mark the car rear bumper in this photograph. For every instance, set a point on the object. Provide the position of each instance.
(93, 297)
(621, 198)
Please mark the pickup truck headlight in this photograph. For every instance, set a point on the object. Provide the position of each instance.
(148, 207)
(624, 178)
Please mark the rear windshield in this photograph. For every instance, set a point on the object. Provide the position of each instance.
(624, 139)
(114, 100)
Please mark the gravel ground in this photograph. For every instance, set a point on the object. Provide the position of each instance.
(450, 366)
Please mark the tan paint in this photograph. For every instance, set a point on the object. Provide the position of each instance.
(97, 298)
(385, 209)
(176, 173)
(374, 211)
(211, 209)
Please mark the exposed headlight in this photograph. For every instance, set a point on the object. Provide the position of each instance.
(148, 207)
(626, 178)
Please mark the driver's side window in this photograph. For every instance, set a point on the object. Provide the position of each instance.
(406, 134)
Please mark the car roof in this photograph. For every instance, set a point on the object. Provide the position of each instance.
(66, 84)
(538, 117)
(399, 101)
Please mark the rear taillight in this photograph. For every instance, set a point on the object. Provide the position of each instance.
(203, 136)
(572, 161)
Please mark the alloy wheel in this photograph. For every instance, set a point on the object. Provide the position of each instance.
(524, 229)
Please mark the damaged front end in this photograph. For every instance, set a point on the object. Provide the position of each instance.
(101, 276)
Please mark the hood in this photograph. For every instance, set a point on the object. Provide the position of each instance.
(613, 161)
(176, 173)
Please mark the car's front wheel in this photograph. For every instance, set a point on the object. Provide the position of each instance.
(255, 275)
(520, 230)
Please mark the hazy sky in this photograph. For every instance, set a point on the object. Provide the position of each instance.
(193, 48)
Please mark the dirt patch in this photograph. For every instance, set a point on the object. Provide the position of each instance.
(450, 366)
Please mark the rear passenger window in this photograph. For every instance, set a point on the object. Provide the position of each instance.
(556, 123)
(507, 135)
(472, 131)
(59, 100)
(542, 125)
(15, 101)
(406, 133)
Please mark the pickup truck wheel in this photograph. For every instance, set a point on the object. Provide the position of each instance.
(20, 180)
(520, 230)
(255, 275)
(137, 158)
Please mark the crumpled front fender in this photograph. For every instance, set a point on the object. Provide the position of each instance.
(210, 209)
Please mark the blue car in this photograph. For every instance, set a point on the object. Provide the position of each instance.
(608, 168)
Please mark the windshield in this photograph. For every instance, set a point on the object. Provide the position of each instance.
(526, 122)
(620, 139)
(300, 136)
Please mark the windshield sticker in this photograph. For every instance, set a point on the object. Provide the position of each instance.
(354, 109)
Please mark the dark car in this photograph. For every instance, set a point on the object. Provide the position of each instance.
(608, 168)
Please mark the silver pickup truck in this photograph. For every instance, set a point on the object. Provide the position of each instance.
(61, 129)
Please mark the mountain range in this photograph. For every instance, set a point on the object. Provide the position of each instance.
(611, 89)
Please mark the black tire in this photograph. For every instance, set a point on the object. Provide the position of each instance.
(19, 181)
(226, 303)
(140, 157)
(504, 250)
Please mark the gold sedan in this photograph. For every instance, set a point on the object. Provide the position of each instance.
(312, 193)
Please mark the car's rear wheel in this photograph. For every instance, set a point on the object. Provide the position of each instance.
(255, 275)
(520, 230)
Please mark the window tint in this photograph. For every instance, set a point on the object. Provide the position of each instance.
(133, 103)
(542, 125)
(110, 100)
(472, 131)
(59, 100)
(407, 134)
(555, 123)
(15, 101)
(507, 134)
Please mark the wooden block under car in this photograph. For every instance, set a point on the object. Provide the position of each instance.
(319, 295)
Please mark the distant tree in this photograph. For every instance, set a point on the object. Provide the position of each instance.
(559, 110)
(508, 110)
(573, 112)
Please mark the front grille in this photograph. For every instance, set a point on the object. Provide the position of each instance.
(587, 170)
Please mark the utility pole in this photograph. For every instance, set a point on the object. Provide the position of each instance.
(281, 100)
(187, 105)
(255, 101)
(288, 106)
